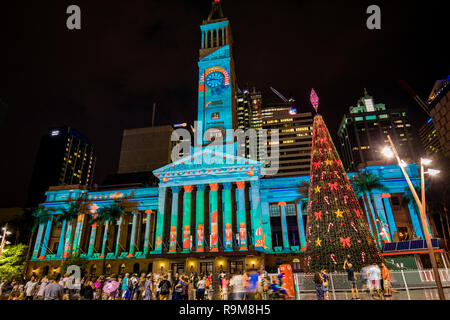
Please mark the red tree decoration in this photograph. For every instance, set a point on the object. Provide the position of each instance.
(335, 230)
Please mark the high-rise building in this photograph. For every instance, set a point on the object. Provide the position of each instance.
(295, 138)
(439, 103)
(249, 105)
(145, 149)
(429, 139)
(363, 133)
(65, 157)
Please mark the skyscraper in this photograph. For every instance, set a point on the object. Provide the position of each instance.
(363, 133)
(439, 103)
(295, 138)
(65, 157)
(249, 105)
(430, 141)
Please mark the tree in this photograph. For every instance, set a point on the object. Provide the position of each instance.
(74, 260)
(365, 183)
(12, 261)
(336, 229)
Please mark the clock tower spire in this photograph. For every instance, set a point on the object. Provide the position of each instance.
(216, 89)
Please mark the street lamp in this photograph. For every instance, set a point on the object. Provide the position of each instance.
(388, 152)
(3, 237)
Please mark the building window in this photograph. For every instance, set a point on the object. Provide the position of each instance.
(236, 267)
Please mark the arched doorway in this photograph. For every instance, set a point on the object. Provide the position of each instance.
(150, 267)
(136, 268)
(108, 269)
(122, 269)
(45, 270)
(93, 269)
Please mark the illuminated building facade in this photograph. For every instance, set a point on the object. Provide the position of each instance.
(429, 138)
(295, 138)
(65, 157)
(211, 210)
(439, 104)
(363, 133)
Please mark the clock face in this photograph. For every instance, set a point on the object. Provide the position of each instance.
(215, 79)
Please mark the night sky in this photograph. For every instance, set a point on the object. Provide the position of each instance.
(128, 54)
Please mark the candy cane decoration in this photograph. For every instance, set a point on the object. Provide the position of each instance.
(353, 226)
(326, 200)
(309, 260)
(329, 226)
(309, 230)
(323, 172)
(345, 199)
(333, 258)
(363, 256)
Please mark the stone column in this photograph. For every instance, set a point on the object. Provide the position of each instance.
(62, 237)
(105, 239)
(241, 220)
(37, 244)
(48, 229)
(284, 230)
(133, 234)
(301, 227)
(390, 216)
(213, 218)
(266, 222)
(160, 219)
(174, 220)
(147, 231)
(415, 220)
(187, 218)
(200, 218)
(67, 239)
(78, 234)
(378, 203)
(92, 239)
(119, 227)
(256, 216)
(227, 219)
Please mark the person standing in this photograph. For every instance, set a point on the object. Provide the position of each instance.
(351, 280)
(374, 280)
(54, 291)
(164, 287)
(326, 293)
(318, 281)
(225, 283)
(31, 288)
(386, 280)
(237, 285)
(201, 287)
(125, 292)
(89, 288)
(148, 288)
(246, 288)
(43, 284)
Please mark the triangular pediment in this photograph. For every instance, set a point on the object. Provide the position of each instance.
(210, 163)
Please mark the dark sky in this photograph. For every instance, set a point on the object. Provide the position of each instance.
(105, 77)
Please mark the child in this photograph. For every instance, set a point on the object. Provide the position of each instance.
(326, 293)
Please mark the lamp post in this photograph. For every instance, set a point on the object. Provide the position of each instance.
(3, 242)
(421, 205)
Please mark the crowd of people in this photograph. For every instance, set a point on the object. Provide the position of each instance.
(376, 281)
(253, 285)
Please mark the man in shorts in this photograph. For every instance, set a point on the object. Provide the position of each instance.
(351, 280)
(374, 274)
(386, 280)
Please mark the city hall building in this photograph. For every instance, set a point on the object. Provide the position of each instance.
(212, 210)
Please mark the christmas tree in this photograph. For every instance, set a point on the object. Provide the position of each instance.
(336, 229)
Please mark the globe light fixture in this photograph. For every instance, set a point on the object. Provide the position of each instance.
(426, 161)
(387, 152)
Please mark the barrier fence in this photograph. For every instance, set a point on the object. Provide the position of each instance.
(404, 280)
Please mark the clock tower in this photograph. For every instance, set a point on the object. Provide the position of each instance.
(216, 84)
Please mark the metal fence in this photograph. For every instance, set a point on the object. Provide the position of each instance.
(400, 281)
